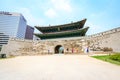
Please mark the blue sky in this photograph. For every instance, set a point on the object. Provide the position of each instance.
(101, 15)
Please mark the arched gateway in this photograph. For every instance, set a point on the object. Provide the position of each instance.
(63, 31)
(59, 49)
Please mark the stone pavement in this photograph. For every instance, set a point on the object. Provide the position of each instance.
(57, 67)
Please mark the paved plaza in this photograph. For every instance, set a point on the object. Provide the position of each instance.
(57, 67)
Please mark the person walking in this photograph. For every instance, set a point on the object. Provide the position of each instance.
(87, 50)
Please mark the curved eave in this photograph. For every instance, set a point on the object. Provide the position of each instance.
(79, 23)
(75, 33)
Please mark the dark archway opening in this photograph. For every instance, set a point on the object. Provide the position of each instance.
(59, 49)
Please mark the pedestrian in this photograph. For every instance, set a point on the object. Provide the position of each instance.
(87, 50)
(48, 51)
(72, 50)
(67, 49)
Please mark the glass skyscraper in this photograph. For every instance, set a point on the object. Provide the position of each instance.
(12, 25)
(29, 32)
(3, 39)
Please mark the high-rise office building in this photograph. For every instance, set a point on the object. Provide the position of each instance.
(29, 32)
(12, 25)
(3, 39)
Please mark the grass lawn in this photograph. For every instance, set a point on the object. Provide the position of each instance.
(107, 59)
(7, 58)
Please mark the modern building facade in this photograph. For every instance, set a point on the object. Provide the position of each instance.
(13, 24)
(3, 39)
(29, 32)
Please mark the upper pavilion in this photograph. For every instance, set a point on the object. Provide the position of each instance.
(73, 29)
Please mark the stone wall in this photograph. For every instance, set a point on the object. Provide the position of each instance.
(24, 47)
(15, 46)
(44, 46)
(110, 39)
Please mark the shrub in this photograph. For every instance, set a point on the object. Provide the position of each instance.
(115, 57)
(107, 49)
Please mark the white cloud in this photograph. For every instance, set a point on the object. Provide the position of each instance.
(57, 7)
(93, 28)
(63, 5)
(31, 20)
(51, 13)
